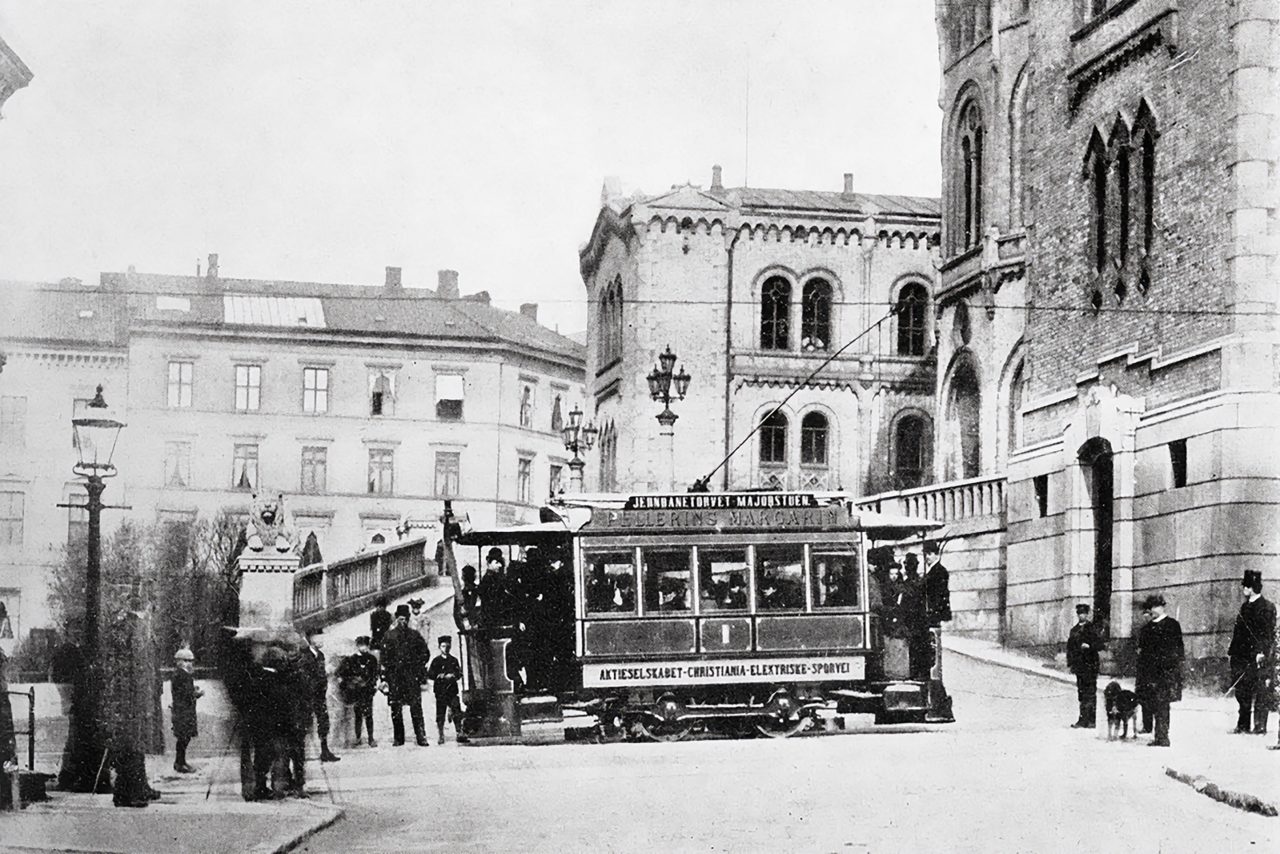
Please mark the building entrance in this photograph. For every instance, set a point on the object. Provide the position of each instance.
(1099, 465)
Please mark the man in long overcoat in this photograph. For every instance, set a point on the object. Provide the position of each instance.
(318, 681)
(1083, 645)
(1160, 654)
(1252, 644)
(185, 693)
(405, 656)
(128, 683)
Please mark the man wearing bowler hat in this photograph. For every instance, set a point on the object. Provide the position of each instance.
(1083, 645)
(1252, 644)
(1160, 654)
(404, 667)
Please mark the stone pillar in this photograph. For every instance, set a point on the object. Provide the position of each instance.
(267, 566)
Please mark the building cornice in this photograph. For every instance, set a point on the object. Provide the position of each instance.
(14, 73)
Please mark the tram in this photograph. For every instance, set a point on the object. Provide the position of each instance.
(655, 616)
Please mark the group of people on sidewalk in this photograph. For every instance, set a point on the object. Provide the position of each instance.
(395, 658)
(1255, 668)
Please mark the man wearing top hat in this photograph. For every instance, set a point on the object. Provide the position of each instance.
(1252, 644)
(404, 668)
(1160, 653)
(1083, 645)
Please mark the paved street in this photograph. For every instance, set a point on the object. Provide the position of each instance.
(1009, 776)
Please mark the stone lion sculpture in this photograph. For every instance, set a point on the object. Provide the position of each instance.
(268, 529)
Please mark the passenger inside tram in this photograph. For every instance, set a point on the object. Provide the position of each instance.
(722, 578)
(666, 580)
(779, 583)
(835, 580)
(610, 584)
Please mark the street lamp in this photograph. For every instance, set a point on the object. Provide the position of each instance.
(96, 432)
(577, 438)
(661, 380)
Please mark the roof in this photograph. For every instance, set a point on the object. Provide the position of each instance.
(70, 311)
(818, 200)
(67, 312)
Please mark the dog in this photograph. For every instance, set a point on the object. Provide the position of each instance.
(1122, 710)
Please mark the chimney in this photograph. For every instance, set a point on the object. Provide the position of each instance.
(212, 272)
(716, 186)
(448, 287)
(393, 279)
(848, 184)
(529, 310)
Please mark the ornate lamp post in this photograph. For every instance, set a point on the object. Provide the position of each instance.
(96, 434)
(577, 438)
(661, 380)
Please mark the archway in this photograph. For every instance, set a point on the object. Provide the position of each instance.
(1098, 462)
(964, 411)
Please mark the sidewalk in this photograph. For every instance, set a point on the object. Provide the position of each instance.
(1236, 769)
(181, 821)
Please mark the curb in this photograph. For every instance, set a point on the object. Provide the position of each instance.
(334, 813)
(1031, 669)
(1239, 800)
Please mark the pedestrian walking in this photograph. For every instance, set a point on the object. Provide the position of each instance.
(444, 673)
(126, 703)
(1252, 644)
(405, 656)
(1160, 654)
(379, 623)
(1084, 643)
(318, 684)
(419, 621)
(184, 692)
(357, 683)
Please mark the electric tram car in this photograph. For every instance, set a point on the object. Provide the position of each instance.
(656, 615)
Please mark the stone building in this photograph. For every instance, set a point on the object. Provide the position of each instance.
(364, 406)
(1107, 308)
(754, 290)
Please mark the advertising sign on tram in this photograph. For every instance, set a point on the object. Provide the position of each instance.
(813, 668)
(722, 512)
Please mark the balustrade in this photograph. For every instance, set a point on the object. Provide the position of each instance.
(324, 586)
(944, 502)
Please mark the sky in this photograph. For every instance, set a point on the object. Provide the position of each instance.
(325, 140)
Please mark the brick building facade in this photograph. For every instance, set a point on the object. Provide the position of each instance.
(363, 405)
(754, 289)
(1109, 243)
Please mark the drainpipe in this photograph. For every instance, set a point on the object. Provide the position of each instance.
(728, 353)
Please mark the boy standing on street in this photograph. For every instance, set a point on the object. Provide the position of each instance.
(445, 671)
(1083, 645)
(185, 693)
(358, 682)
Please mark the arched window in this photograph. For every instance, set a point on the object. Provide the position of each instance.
(969, 175)
(1017, 388)
(815, 316)
(311, 550)
(609, 334)
(910, 452)
(963, 421)
(526, 407)
(773, 440)
(913, 302)
(813, 440)
(608, 458)
(557, 415)
(775, 314)
(1020, 137)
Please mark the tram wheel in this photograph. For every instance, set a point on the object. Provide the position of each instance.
(611, 729)
(663, 731)
(774, 728)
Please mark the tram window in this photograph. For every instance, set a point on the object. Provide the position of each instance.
(611, 583)
(722, 577)
(779, 578)
(666, 580)
(834, 577)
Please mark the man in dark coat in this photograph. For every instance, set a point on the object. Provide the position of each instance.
(185, 693)
(937, 586)
(1083, 645)
(1160, 654)
(126, 702)
(444, 673)
(358, 682)
(404, 667)
(1252, 644)
(318, 683)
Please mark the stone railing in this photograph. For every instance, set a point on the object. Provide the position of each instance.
(325, 593)
(944, 502)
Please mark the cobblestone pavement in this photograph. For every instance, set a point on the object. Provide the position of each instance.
(1008, 776)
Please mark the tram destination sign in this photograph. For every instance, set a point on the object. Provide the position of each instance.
(809, 668)
(723, 512)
